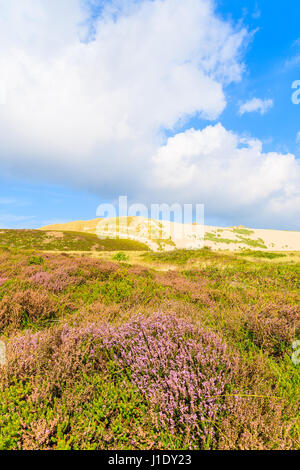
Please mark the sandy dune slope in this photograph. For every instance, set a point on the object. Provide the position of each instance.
(168, 235)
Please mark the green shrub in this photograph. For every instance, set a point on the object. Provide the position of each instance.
(117, 289)
(243, 231)
(263, 254)
(121, 257)
(36, 260)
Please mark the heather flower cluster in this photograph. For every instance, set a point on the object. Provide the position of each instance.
(64, 272)
(181, 370)
(3, 280)
(56, 282)
(196, 291)
(273, 325)
(23, 307)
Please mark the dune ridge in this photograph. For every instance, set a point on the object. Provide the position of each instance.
(164, 235)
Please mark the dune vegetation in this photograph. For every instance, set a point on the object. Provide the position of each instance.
(178, 350)
(64, 241)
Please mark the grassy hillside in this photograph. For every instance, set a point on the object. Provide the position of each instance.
(109, 355)
(64, 241)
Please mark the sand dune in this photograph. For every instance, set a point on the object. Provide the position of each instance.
(168, 235)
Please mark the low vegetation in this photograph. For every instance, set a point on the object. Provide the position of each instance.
(184, 350)
(64, 241)
(243, 231)
(240, 240)
(263, 254)
(120, 257)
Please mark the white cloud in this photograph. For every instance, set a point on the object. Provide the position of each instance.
(256, 105)
(231, 175)
(93, 114)
(39, 27)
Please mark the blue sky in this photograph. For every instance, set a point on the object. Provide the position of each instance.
(50, 178)
(269, 73)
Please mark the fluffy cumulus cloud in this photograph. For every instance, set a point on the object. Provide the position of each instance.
(256, 105)
(231, 175)
(92, 113)
(86, 102)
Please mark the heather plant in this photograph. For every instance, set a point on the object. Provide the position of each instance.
(264, 414)
(194, 291)
(55, 281)
(255, 423)
(141, 271)
(3, 280)
(24, 308)
(273, 326)
(89, 269)
(181, 371)
(116, 413)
